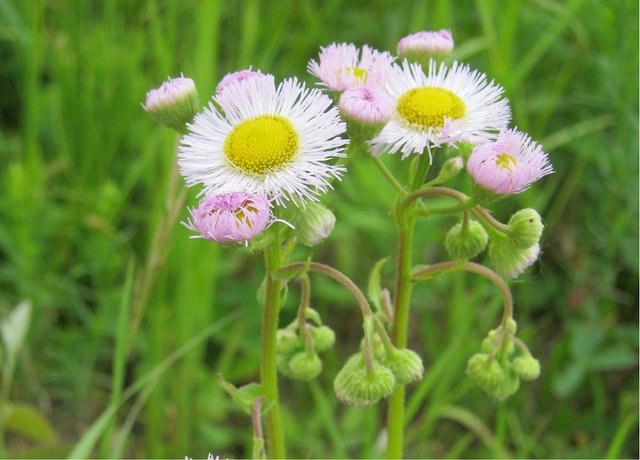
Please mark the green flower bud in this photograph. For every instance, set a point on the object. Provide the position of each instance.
(174, 103)
(489, 342)
(287, 341)
(323, 338)
(525, 228)
(486, 373)
(507, 385)
(526, 367)
(282, 363)
(450, 168)
(509, 260)
(314, 224)
(305, 366)
(405, 364)
(355, 386)
(378, 348)
(465, 243)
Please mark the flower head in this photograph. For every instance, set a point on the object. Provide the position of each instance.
(174, 103)
(235, 77)
(365, 105)
(342, 66)
(510, 164)
(263, 139)
(445, 106)
(426, 44)
(230, 217)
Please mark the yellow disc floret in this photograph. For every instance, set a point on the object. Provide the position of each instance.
(506, 161)
(427, 106)
(357, 72)
(261, 144)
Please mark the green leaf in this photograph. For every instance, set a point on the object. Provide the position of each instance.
(14, 330)
(245, 396)
(374, 290)
(568, 380)
(27, 421)
(613, 358)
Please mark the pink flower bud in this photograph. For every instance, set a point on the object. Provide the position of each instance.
(236, 77)
(234, 217)
(426, 44)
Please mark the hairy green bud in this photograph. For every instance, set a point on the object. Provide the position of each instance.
(466, 242)
(314, 224)
(323, 338)
(525, 228)
(356, 386)
(305, 366)
(526, 367)
(509, 260)
(405, 364)
(287, 341)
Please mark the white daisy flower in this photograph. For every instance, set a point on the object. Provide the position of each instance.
(446, 106)
(263, 139)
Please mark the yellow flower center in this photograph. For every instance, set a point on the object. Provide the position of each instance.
(261, 144)
(358, 73)
(426, 106)
(506, 161)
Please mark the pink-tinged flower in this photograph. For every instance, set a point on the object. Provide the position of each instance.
(234, 217)
(342, 66)
(426, 44)
(236, 77)
(510, 164)
(174, 103)
(444, 106)
(365, 105)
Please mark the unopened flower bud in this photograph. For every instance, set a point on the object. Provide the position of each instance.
(287, 341)
(484, 371)
(323, 338)
(174, 103)
(466, 242)
(232, 78)
(526, 367)
(450, 168)
(424, 45)
(405, 364)
(509, 260)
(305, 366)
(378, 347)
(505, 387)
(358, 387)
(489, 342)
(366, 111)
(525, 228)
(315, 223)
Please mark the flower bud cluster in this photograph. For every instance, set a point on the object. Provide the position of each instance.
(297, 357)
(494, 370)
(362, 384)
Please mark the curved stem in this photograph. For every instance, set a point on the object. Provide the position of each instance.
(337, 276)
(489, 219)
(305, 296)
(480, 270)
(268, 369)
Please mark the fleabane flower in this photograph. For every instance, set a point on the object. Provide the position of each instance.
(174, 103)
(445, 106)
(263, 139)
(426, 43)
(230, 217)
(510, 164)
(342, 66)
(236, 77)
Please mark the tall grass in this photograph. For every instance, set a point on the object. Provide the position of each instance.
(84, 178)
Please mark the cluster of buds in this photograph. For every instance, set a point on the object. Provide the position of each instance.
(374, 372)
(297, 353)
(495, 370)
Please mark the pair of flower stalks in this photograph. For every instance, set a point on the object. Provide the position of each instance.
(259, 147)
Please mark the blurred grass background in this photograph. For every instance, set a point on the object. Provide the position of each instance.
(84, 175)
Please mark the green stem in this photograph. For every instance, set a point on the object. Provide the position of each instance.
(406, 223)
(387, 174)
(268, 369)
